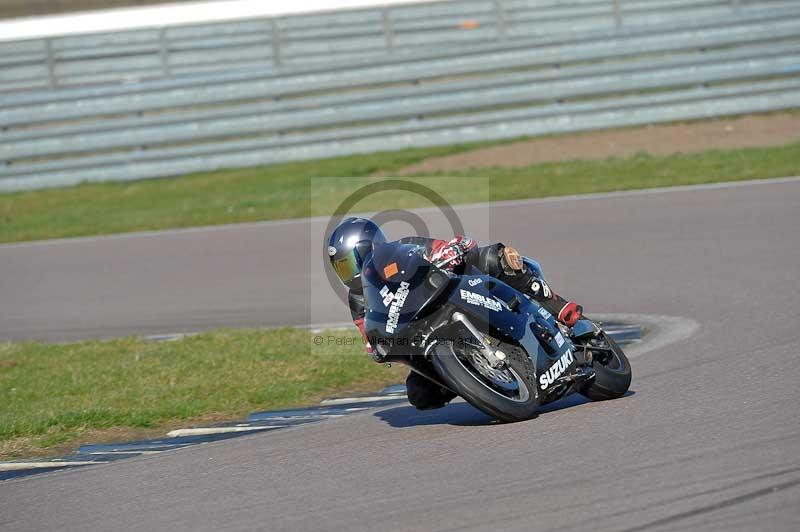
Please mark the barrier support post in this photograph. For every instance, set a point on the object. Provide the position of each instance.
(276, 42)
(617, 13)
(500, 16)
(163, 52)
(50, 63)
(387, 29)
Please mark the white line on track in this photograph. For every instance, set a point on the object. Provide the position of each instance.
(310, 415)
(629, 193)
(317, 328)
(509, 203)
(113, 452)
(303, 418)
(207, 431)
(353, 400)
(21, 466)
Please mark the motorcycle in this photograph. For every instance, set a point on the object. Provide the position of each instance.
(480, 338)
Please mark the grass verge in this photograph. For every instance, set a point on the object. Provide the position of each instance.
(53, 397)
(285, 191)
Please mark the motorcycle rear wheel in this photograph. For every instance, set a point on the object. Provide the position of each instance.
(498, 396)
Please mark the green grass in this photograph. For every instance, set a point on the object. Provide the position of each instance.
(285, 191)
(52, 396)
(640, 171)
(230, 196)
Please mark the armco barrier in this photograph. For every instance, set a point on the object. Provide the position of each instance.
(774, 25)
(731, 57)
(315, 39)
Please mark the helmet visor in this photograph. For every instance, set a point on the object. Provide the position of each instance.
(348, 267)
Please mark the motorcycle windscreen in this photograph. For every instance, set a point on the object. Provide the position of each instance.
(398, 282)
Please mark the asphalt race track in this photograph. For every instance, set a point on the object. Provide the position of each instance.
(707, 440)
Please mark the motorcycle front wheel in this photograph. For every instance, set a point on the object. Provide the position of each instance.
(508, 393)
(611, 367)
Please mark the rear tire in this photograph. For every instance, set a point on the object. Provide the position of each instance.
(612, 376)
(455, 368)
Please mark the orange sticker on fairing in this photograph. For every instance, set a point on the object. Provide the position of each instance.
(390, 270)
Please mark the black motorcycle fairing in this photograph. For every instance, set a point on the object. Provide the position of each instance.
(399, 285)
(533, 266)
(517, 320)
(524, 313)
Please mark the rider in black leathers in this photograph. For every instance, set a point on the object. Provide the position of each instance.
(497, 260)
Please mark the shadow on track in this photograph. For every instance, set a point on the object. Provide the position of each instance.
(459, 413)
(463, 414)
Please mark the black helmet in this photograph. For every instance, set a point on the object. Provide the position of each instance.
(348, 245)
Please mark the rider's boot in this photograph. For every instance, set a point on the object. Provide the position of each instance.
(425, 394)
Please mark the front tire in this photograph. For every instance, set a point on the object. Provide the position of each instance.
(458, 369)
(612, 373)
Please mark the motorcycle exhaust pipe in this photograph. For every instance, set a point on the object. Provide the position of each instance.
(495, 357)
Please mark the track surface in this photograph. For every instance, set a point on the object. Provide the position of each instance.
(708, 440)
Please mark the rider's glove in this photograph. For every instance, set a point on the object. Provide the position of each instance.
(460, 245)
(463, 243)
(368, 346)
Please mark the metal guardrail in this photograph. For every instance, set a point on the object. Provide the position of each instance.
(291, 90)
(581, 80)
(314, 39)
(196, 129)
(745, 60)
(670, 37)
